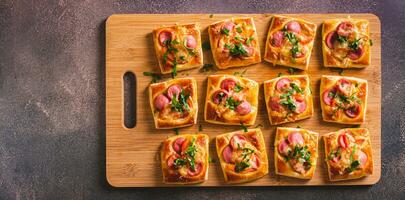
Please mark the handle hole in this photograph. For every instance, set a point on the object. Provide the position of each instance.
(129, 100)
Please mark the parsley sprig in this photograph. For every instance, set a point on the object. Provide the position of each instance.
(180, 105)
(231, 103)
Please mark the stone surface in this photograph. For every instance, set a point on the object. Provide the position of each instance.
(52, 112)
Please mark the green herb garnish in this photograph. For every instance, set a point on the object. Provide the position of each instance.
(176, 131)
(239, 29)
(355, 44)
(241, 166)
(155, 77)
(296, 88)
(249, 40)
(353, 166)
(371, 42)
(181, 104)
(190, 152)
(279, 74)
(180, 162)
(245, 129)
(211, 15)
(211, 160)
(241, 74)
(207, 67)
(200, 128)
(341, 39)
(225, 31)
(238, 50)
(231, 103)
(291, 70)
(237, 88)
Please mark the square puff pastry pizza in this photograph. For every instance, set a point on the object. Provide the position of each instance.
(343, 99)
(242, 155)
(174, 103)
(290, 42)
(288, 99)
(234, 42)
(184, 159)
(178, 47)
(295, 152)
(348, 154)
(231, 100)
(346, 43)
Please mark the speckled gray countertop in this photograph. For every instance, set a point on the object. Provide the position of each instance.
(52, 137)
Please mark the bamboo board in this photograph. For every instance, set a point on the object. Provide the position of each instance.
(132, 155)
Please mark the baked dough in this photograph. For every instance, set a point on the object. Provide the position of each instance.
(169, 112)
(288, 99)
(184, 159)
(234, 42)
(290, 42)
(343, 99)
(178, 47)
(295, 152)
(348, 154)
(242, 155)
(231, 100)
(346, 43)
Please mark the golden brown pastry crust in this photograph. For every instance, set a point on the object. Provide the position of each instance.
(284, 167)
(332, 58)
(168, 118)
(180, 174)
(336, 111)
(218, 40)
(191, 58)
(337, 170)
(220, 114)
(255, 141)
(283, 114)
(282, 55)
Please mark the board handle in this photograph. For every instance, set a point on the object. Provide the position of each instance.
(129, 99)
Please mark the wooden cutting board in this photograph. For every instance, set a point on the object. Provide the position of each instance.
(132, 155)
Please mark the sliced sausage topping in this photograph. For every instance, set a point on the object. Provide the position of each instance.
(330, 39)
(228, 84)
(301, 106)
(173, 90)
(283, 148)
(282, 84)
(274, 104)
(227, 154)
(164, 36)
(294, 26)
(343, 140)
(328, 96)
(277, 39)
(244, 108)
(197, 169)
(362, 158)
(237, 141)
(170, 161)
(190, 42)
(353, 111)
(355, 54)
(295, 139)
(161, 101)
(344, 86)
(345, 29)
(177, 144)
(219, 95)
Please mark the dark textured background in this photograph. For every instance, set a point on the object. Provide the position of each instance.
(52, 112)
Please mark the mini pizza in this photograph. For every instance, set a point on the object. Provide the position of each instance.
(289, 42)
(178, 48)
(174, 103)
(296, 152)
(343, 99)
(184, 159)
(346, 43)
(242, 155)
(348, 154)
(288, 99)
(231, 100)
(234, 42)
